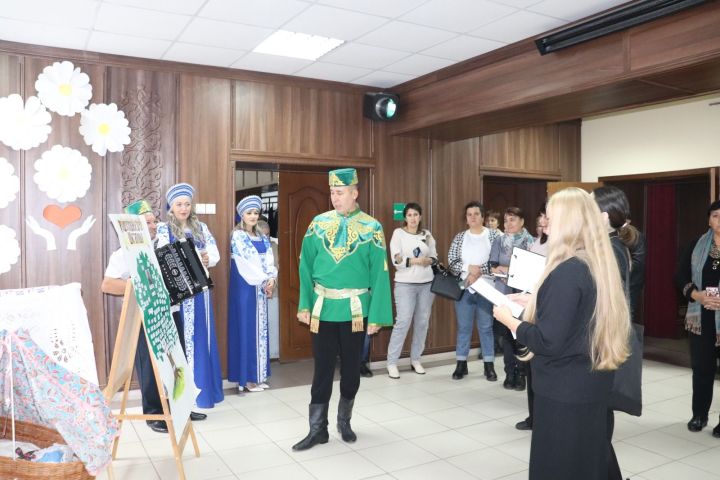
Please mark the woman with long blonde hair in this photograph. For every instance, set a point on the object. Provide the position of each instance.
(577, 324)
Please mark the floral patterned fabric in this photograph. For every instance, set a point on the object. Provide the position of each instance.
(45, 393)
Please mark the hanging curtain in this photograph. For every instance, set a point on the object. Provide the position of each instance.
(661, 302)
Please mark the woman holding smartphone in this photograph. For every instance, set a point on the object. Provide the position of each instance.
(413, 252)
(698, 277)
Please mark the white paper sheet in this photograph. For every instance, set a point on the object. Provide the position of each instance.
(482, 287)
(525, 269)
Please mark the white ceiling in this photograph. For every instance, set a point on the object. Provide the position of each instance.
(387, 42)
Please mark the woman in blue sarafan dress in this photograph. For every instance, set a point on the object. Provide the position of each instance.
(196, 313)
(252, 280)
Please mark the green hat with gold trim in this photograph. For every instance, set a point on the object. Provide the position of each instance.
(343, 177)
(141, 207)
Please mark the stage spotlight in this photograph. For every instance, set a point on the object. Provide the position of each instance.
(380, 106)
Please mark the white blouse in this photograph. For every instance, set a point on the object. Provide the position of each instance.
(409, 245)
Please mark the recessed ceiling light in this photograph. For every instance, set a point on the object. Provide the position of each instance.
(297, 45)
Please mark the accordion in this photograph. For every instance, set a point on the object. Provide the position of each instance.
(182, 271)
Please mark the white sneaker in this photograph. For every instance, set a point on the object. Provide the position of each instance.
(263, 385)
(417, 366)
(250, 387)
(393, 371)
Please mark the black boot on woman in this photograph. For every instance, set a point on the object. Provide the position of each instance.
(490, 374)
(460, 370)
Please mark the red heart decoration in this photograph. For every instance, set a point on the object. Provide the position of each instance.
(62, 217)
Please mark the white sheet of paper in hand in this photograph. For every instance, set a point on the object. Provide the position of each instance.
(483, 288)
(525, 269)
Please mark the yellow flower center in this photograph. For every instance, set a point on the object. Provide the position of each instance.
(22, 119)
(103, 129)
(65, 89)
(63, 173)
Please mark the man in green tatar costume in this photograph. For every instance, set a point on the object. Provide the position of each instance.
(344, 291)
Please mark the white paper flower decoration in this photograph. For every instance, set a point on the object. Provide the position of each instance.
(105, 128)
(63, 174)
(64, 89)
(9, 183)
(9, 249)
(23, 125)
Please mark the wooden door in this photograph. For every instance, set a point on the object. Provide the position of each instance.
(301, 196)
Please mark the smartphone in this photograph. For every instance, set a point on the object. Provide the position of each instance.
(712, 291)
(416, 252)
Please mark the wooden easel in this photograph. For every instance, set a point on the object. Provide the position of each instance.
(121, 374)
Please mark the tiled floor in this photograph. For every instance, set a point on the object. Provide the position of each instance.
(417, 427)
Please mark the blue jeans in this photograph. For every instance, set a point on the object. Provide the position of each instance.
(470, 307)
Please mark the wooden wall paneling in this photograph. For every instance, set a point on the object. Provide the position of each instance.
(561, 108)
(569, 150)
(520, 79)
(203, 131)
(11, 215)
(60, 266)
(145, 169)
(402, 176)
(314, 122)
(691, 33)
(530, 150)
(456, 180)
(674, 57)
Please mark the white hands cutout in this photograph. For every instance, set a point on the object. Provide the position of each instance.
(79, 232)
(38, 230)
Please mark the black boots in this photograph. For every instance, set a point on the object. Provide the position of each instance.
(365, 370)
(490, 374)
(525, 424)
(343, 419)
(697, 423)
(515, 381)
(318, 427)
(460, 370)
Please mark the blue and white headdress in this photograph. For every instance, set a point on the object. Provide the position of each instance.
(179, 190)
(252, 201)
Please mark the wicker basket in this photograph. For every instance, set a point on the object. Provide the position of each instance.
(42, 437)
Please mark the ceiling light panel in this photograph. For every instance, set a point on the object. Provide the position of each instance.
(297, 45)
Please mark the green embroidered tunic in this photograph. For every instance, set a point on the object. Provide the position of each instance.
(346, 252)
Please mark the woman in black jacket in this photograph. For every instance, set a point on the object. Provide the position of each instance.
(624, 239)
(577, 325)
(698, 276)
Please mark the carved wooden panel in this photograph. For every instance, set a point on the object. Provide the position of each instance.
(145, 169)
(11, 214)
(86, 263)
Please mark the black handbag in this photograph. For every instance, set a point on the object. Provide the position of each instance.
(446, 284)
(626, 393)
